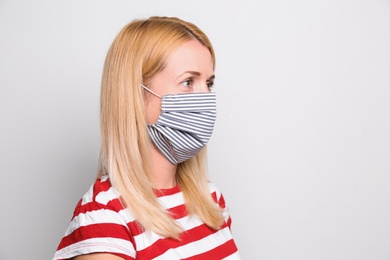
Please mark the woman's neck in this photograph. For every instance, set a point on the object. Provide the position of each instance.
(163, 171)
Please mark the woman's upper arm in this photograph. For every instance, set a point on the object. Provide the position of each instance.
(98, 256)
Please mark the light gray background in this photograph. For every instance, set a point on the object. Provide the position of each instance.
(301, 147)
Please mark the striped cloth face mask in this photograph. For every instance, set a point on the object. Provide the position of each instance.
(185, 124)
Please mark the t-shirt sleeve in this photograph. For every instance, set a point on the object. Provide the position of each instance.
(96, 228)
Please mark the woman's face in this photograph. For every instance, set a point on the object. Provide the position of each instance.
(189, 69)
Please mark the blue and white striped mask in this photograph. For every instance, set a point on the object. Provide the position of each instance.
(185, 124)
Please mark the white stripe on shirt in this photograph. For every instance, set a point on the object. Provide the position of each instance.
(171, 201)
(106, 196)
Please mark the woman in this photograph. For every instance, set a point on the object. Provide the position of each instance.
(152, 199)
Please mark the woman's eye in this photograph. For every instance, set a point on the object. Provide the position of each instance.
(188, 83)
(210, 85)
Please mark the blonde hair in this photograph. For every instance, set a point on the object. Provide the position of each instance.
(139, 51)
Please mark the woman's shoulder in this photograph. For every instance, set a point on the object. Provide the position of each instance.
(101, 195)
(99, 224)
(101, 192)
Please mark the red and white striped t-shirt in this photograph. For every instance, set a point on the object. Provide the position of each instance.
(101, 224)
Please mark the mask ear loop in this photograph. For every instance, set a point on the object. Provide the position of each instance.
(150, 91)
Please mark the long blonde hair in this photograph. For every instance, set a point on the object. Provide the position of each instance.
(139, 51)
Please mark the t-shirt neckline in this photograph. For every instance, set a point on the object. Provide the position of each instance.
(167, 192)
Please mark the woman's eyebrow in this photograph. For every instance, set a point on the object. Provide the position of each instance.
(212, 77)
(194, 73)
